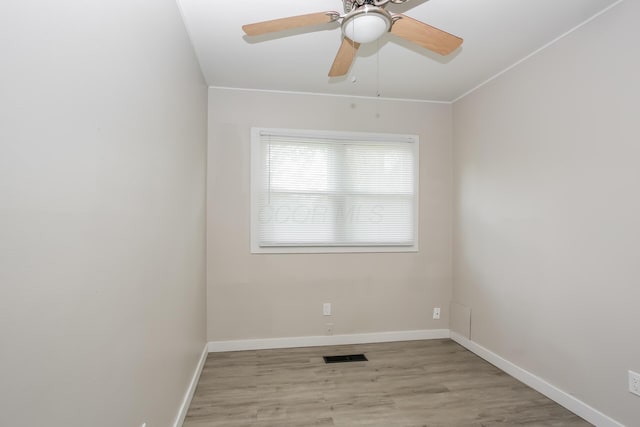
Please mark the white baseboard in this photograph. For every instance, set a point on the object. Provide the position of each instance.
(186, 401)
(576, 406)
(315, 341)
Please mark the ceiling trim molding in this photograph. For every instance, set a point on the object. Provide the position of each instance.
(535, 52)
(286, 92)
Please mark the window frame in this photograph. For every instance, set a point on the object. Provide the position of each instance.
(256, 169)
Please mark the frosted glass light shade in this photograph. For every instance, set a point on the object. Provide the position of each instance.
(367, 26)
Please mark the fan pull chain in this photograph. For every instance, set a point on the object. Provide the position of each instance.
(378, 78)
(353, 53)
(353, 59)
(378, 68)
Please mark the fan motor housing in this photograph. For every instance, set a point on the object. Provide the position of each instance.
(350, 5)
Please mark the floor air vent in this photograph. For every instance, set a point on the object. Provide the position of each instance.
(342, 359)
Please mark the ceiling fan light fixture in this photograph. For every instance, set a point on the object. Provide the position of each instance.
(366, 24)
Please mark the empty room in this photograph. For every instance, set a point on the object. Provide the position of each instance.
(319, 213)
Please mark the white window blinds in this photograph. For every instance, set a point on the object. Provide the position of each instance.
(333, 190)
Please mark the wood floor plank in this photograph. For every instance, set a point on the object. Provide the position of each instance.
(417, 383)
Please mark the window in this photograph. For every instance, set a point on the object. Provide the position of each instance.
(318, 191)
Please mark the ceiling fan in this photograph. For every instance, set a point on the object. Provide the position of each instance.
(364, 21)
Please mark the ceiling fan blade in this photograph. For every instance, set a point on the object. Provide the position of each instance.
(425, 35)
(282, 24)
(344, 58)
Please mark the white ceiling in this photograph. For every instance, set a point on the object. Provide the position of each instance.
(496, 33)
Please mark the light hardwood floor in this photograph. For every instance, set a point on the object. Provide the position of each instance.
(416, 383)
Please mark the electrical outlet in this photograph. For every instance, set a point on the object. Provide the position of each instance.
(634, 382)
(328, 330)
(326, 309)
(436, 313)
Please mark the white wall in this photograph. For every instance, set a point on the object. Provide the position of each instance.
(547, 204)
(102, 213)
(281, 295)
